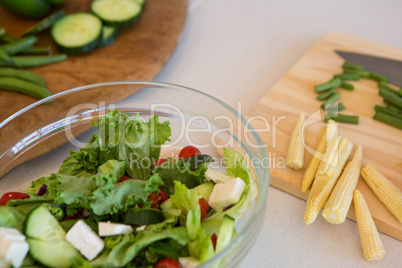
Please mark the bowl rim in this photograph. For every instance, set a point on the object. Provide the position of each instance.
(262, 172)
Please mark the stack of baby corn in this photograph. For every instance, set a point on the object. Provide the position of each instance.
(334, 184)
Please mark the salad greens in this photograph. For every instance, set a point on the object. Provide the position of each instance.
(88, 186)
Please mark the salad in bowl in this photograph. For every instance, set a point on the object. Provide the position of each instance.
(120, 202)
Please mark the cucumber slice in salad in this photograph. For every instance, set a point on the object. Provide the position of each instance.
(116, 13)
(46, 238)
(77, 33)
(109, 35)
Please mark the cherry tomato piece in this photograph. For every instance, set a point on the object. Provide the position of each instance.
(204, 207)
(124, 178)
(168, 263)
(157, 199)
(214, 238)
(188, 151)
(12, 196)
(160, 161)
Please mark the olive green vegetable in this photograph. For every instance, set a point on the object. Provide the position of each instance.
(20, 45)
(23, 86)
(388, 119)
(386, 86)
(37, 50)
(343, 118)
(22, 74)
(6, 38)
(389, 111)
(351, 65)
(336, 108)
(325, 95)
(5, 57)
(334, 97)
(391, 97)
(378, 77)
(32, 61)
(347, 86)
(361, 73)
(45, 23)
(32, 9)
(348, 76)
(336, 82)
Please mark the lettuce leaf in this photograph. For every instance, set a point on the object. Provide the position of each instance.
(184, 199)
(131, 139)
(113, 168)
(175, 170)
(13, 217)
(235, 167)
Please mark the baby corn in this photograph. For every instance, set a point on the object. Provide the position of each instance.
(338, 204)
(369, 237)
(295, 156)
(324, 137)
(327, 174)
(384, 190)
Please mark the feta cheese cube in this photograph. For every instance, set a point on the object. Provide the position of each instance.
(140, 228)
(109, 228)
(226, 194)
(85, 240)
(216, 177)
(13, 247)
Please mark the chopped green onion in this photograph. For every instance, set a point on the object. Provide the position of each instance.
(343, 118)
(378, 77)
(347, 86)
(391, 97)
(388, 111)
(334, 97)
(386, 86)
(351, 65)
(362, 73)
(325, 95)
(388, 119)
(348, 76)
(328, 85)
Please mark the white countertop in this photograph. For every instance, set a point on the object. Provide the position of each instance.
(229, 48)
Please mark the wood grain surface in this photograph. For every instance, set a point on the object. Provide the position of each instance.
(294, 92)
(139, 53)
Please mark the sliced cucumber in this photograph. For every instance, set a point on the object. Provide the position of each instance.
(109, 35)
(45, 23)
(140, 217)
(204, 189)
(77, 33)
(46, 238)
(226, 232)
(141, 2)
(116, 13)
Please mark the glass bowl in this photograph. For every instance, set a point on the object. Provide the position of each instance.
(35, 140)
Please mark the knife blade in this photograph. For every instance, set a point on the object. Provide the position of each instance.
(387, 67)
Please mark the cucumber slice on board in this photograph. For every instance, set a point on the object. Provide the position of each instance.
(116, 13)
(45, 23)
(46, 238)
(109, 35)
(77, 33)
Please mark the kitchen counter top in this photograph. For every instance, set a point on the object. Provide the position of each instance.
(236, 50)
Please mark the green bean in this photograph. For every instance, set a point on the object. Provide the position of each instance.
(361, 73)
(388, 119)
(37, 50)
(5, 38)
(378, 77)
(45, 23)
(19, 45)
(5, 57)
(391, 97)
(343, 118)
(351, 65)
(386, 86)
(348, 76)
(32, 61)
(336, 108)
(334, 97)
(22, 86)
(347, 86)
(336, 82)
(388, 111)
(22, 74)
(325, 95)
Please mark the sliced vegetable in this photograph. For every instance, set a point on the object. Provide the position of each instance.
(204, 207)
(33, 9)
(336, 82)
(348, 77)
(116, 13)
(347, 86)
(109, 35)
(295, 155)
(388, 119)
(337, 108)
(369, 237)
(45, 23)
(351, 65)
(23, 86)
(226, 233)
(334, 97)
(377, 77)
(140, 217)
(325, 95)
(343, 118)
(383, 188)
(77, 33)
(386, 86)
(12, 196)
(395, 113)
(338, 204)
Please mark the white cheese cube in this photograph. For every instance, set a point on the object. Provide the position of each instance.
(216, 177)
(109, 228)
(188, 262)
(13, 247)
(140, 228)
(85, 240)
(226, 194)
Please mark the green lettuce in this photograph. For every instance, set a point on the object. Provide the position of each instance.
(13, 217)
(184, 199)
(113, 168)
(132, 139)
(235, 167)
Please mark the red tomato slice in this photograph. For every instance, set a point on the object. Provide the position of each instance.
(12, 196)
(124, 178)
(214, 238)
(204, 207)
(168, 263)
(188, 151)
(157, 199)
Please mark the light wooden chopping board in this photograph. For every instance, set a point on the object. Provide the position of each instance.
(278, 109)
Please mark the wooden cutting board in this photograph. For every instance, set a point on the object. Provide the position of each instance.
(139, 53)
(276, 114)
